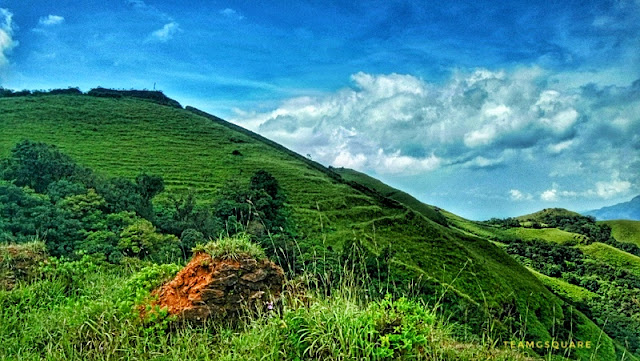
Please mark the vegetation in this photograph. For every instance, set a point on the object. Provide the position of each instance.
(625, 231)
(433, 213)
(46, 319)
(20, 262)
(614, 257)
(232, 248)
(597, 278)
(166, 179)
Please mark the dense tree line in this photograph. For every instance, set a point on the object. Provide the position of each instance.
(44, 194)
(153, 95)
(504, 222)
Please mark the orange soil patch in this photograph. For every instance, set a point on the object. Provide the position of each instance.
(181, 292)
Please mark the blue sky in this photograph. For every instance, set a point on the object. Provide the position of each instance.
(483, 109)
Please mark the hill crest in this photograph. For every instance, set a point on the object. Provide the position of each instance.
(540, 215)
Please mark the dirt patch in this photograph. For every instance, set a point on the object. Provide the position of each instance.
(209, 287)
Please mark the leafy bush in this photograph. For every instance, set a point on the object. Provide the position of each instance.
(137, 289)
(141, 240)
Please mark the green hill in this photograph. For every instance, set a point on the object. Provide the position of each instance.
(564, 289)
(194, 151)
(625, 231)
(613, 256)
(547, 212)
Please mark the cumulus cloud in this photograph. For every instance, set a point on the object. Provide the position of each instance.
(550, 195)
(7, 43)
(165, 33)
(602, 189)
(51, 20)
(517, 195)
(612, 188)
(480, 119)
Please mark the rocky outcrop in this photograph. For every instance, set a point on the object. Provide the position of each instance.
(209, 287)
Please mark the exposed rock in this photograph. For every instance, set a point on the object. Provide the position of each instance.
(209, 287)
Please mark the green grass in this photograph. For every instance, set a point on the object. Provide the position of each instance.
(47, 319)
(431, 212)
(232, 248)
(625, 230)
(613, 256)
(554, 235)
(564, 289)
(195, 151)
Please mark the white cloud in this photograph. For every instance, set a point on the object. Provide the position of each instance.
(348, 160)
(7, 43)
(517, 195)
(51, 20)
(602, 189)
(559, 147)
(401, 164)
(166, 33)
(472, 120)
(231, 14)
(550, 195)
(612, 188)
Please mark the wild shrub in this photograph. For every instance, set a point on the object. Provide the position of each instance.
(233, 247)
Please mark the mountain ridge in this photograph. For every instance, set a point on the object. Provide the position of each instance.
(626, 210)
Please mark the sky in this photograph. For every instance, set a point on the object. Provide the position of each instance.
(481, 108)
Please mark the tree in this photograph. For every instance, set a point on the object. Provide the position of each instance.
(141, 240)
(149, 186)
(36, 165)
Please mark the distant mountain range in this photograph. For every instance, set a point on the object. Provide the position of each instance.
(626, 210)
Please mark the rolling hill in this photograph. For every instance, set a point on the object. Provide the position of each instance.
(451, 262)
(625, 230)
(541, 215)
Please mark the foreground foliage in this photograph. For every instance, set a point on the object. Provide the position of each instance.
(90, 311)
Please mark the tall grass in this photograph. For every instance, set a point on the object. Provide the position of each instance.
(78, 315)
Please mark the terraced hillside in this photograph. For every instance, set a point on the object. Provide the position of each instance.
(451, 264)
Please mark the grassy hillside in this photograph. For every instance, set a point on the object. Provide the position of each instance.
(549, 234)
(431, 212)
(194, 151)
(625, 231)
(554, 251)
(613, 256)
(565, 289)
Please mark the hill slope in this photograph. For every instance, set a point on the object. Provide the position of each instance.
(195, 151)
(431, 212)
(625, 231)
(627, 210)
